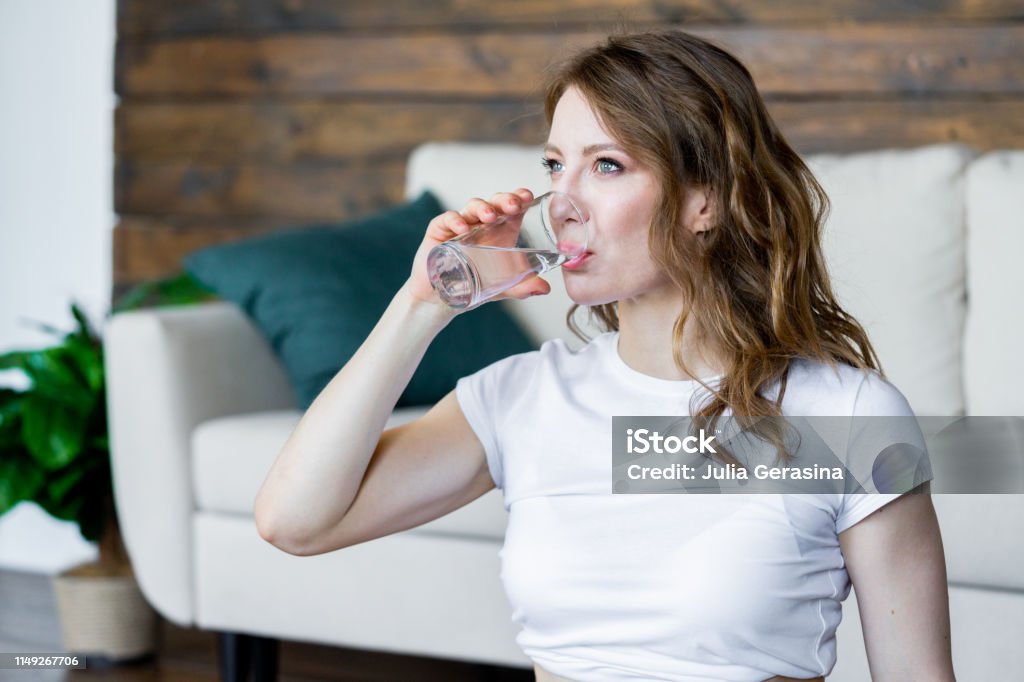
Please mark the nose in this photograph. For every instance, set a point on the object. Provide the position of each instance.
(566, 208)
(569, 222)
(570, 184)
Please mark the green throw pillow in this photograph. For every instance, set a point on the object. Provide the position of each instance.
(316, 293)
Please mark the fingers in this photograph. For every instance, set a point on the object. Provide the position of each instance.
(481, 211)
(501, 204)
(447, 225)
(534, 286)
(511, 203)
(477, 211)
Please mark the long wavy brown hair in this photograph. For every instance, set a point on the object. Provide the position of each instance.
(755, 284)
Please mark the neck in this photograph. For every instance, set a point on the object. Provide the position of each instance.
(645, 340)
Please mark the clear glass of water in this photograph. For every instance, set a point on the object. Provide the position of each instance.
(494, 257)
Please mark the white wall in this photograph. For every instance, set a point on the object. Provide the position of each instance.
(56, 206)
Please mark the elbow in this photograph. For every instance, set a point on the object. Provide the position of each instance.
(267, 527)
(272, 531)
(284, 541)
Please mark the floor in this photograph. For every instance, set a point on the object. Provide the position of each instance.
(28, 622)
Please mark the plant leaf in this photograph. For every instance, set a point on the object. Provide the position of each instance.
(20, 479)
(53, 435)
(10, 418)
(58, 486)
(134, 298)
(182, 289)
(84, 328)
(14, 359)
(66, 509)
(52, 374)
(53, 432)
(42, 326)
(85, 356)
(179, 289)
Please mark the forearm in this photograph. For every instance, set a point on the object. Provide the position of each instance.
(320, 468)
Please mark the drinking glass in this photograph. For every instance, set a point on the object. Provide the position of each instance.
(494, 257)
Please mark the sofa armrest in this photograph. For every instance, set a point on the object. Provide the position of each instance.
(169, 370)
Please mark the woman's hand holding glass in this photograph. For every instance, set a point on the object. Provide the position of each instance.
(510, 241)
(452, 224)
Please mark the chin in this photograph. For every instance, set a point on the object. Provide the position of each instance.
(586, 293)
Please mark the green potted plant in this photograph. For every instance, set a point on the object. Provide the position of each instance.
(54, 451)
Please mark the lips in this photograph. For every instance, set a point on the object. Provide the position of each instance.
(578, 261)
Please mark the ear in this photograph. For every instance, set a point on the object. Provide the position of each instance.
(698, 209)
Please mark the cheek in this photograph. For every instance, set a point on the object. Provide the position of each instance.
(631, 217)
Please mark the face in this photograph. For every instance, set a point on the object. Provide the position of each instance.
(619, 195)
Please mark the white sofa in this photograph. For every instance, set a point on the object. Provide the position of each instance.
(926, 250)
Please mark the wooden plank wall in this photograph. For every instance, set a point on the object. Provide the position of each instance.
(241, 116)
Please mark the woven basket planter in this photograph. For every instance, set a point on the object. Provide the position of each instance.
(103, 614)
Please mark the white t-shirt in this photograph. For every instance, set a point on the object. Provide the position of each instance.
(616, 587)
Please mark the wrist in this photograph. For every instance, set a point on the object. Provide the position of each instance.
(421, 312)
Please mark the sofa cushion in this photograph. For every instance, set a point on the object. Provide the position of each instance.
(978, 534)
(895, 249)
(232, 455)
(316, 293)
(405, 593)
(993, 362)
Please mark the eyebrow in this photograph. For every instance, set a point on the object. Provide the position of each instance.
(589, 149)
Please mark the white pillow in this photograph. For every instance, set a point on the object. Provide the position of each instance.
(993, 362)
(895, 249)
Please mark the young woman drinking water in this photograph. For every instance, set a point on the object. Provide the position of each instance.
(704, 265)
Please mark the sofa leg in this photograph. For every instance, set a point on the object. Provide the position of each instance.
(264, 659)
(235, 651)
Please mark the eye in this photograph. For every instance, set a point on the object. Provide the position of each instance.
(606, 166)
(551, 165)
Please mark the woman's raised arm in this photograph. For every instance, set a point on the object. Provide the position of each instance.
(339, 480)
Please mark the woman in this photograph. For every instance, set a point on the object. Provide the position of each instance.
(705, 268)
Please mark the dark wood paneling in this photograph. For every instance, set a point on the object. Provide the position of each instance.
(242, 116)
(301, 192)
(831, 60)
(148, 248)
(206, 200)
(165, 17)
(288, 132)
(306, 131)
(854, 126)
